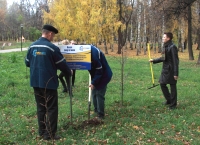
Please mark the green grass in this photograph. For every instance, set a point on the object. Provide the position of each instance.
(141, 120)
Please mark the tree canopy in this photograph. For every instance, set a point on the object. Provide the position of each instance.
(92, 21)
(85, 20)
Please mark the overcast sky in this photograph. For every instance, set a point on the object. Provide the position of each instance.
(10, 2)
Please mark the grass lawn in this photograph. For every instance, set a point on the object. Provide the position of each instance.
(142, 119)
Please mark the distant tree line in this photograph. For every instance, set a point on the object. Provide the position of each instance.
(135, 21)
(26, 14)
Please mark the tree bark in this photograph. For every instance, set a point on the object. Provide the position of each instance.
(145, 30)
(198, 61)
(159, 42)
(139, 28)
(131, 35)
(198, 39)
(111, 47)
(119, 40)
(198, 29)
(191, 57)
(105, 47)
(198, 34)
(119, 29)
(180, 46)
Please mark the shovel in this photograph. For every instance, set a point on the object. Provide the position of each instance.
(70, 94)
(151, 68)
(89, 98)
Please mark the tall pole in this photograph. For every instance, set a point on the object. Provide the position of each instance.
(21, 35)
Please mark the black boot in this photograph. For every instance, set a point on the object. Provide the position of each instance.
(166, 103)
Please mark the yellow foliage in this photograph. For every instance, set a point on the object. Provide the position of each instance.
(3, 5)
(86, 20)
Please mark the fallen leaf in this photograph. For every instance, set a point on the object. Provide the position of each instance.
(136, 127)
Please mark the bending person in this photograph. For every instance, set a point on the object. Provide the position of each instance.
(101, 75)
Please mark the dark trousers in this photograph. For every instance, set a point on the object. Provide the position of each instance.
(98, 97)
(67, 79)
(73, 77)
(47, 111)
(170, 97)
(62, 75)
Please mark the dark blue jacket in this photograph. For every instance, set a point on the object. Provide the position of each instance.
(100, 72)
(44, 59)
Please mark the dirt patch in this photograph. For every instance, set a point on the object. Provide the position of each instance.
(91, 122)
(87, 123)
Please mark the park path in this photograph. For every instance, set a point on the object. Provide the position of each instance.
(18, 49)
(12, 50)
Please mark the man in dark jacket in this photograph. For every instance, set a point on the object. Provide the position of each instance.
(101, 75)
(44, 59)
(169, 74)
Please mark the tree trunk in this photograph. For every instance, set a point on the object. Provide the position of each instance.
(119, 40)
(126, 45)
(105, 47)
(154, 46)
(198, 34)
(163, 27)
(179, 41)
(185, 44)
(198, 30)
(131, 44)
(191, 57)
(120, 29)
(99, 42)
(198, 61)
(198, 39)
(159, 42)
(139, 28)
(131, 35)
(111, 47)
(145, 30)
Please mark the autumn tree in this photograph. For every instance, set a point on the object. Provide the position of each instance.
(173, 9)
(26, 12)
(3, 5)
(198, 25)
(198, 30)
(84, 20)
(139, 21)
(108, 23)
(124, 14)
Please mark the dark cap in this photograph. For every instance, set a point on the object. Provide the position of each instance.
(50, 28)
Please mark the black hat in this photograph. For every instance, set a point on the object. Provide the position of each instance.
(50, 28)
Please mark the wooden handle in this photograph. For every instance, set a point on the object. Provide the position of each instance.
(89, 97)
(152, 76)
